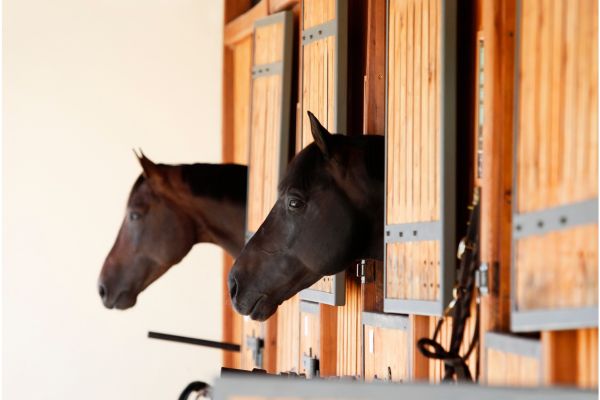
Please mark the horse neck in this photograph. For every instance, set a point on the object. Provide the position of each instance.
(364, 186)
(214, 196)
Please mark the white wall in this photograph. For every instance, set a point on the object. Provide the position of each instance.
(85, 81)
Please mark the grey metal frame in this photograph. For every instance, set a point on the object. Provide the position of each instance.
(269, 387)
(284, 68)
(538, 223)
(386, 321)
(309, 307)
(339, 28)
(507, 343)
(442, 230)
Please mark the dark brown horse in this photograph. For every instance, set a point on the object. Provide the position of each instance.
(171, 208)
(329, 213)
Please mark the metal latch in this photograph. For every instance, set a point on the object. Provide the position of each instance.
(365, 270)
(482, 279)
(257, 346)
(311, 364)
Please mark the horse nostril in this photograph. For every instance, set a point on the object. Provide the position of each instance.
(233, 287)
(102, 291)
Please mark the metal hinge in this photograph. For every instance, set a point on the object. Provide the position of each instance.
(257, 346)
(482, 279)
(365, 270)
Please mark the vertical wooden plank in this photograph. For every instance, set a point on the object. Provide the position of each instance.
(328, 350)
(419, 328)
(560, 360)
(498, 21)
(374, 100)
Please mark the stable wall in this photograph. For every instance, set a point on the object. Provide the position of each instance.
(84, 83)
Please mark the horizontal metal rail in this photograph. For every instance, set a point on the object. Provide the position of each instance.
(198, 342)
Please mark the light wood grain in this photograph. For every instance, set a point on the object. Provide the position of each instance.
(557, 156)
(412, 193)
(381, 356)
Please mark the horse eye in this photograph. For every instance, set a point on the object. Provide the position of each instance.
(295, 204)
(134, 216)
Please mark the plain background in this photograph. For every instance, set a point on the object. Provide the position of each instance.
(85, 81)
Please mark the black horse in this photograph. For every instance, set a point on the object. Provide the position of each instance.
(329, 213)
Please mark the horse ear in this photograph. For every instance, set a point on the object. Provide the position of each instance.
(321, 135)
(152, 171)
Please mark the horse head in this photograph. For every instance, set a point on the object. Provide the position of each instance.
(329, 212)
(154, 235)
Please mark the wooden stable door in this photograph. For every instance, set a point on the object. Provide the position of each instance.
(269, 126)
(386, 347)
(323, 75)
(420, 155)
(555, 222)
(512, 360)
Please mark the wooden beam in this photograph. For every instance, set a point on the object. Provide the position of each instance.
(559, 355)
(419, 328)
(235, 8)
(328, 350)
(499, 36)
(241, 27)
(374, 79)
(270, 354)
(280, 5)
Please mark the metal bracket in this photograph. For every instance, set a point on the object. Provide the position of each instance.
(482, 279)
(319, 32)
(555, 218)
(311, 364)
(257, 346)
(275, 68)
(413, 232)
(365, 270)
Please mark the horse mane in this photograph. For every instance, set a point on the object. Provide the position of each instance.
(302, 170)
(217, 181)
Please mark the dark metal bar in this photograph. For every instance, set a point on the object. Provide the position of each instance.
(198, 342)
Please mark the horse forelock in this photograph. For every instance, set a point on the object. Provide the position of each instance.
(305, 170)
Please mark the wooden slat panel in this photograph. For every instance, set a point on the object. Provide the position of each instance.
(413, 270)
(288, 336)
(413, 150)
(570, 274)
(349, 359)
(558, 91)
(508, 369)
(268, 43)
(557, 150)
(383, 356)
(570, 357)
(587, 358)
(413, 105)
(310, 336)
(264, 154)
(242, 64)
(318, 85)
(317, 12)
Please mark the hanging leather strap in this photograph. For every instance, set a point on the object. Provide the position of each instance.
(460, 307)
